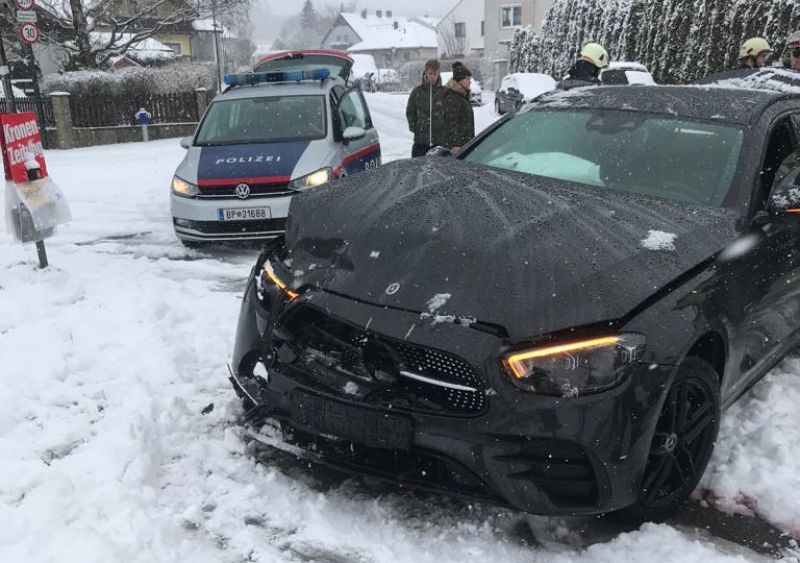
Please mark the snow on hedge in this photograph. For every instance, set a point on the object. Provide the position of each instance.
(678, 40)
(170, 79)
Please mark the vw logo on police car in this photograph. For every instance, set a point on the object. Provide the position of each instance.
(392, 289)
(242, 191)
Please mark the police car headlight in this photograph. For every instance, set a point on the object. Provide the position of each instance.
(183, 188)
(318, 178)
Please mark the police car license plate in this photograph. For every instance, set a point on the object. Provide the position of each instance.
(245, 214)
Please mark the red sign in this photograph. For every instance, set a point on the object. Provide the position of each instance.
(29, 32)
(22, 147)
(24, 4)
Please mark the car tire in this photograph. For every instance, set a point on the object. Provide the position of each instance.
(682, 443)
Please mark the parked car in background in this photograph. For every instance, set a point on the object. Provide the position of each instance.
(622, 73)
(365, 72)
(475, 92)
(387, 79)
(519, 88)
(272, 134)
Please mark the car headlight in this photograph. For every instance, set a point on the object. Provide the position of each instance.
(183, 188)
(318, 178)
(267, 277)
(576, 368)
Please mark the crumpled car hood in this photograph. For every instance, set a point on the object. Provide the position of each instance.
(443, 237)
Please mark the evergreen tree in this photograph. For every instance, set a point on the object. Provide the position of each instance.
(308, 16)
(678, 40)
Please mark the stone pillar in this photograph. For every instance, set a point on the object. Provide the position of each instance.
(63, 118)
(201, 95)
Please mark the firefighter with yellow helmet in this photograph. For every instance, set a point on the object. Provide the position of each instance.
(754, 53)
(586, 71)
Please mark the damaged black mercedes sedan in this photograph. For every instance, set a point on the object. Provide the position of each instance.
(552, 321)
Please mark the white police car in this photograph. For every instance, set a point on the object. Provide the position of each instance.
(292, 125)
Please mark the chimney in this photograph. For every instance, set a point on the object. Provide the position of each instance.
(388, 13)
(364, 13)
(379, 13)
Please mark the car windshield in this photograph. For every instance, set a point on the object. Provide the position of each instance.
(263, 120)
(681, 160)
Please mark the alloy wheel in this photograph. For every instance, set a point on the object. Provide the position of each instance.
(682, 443)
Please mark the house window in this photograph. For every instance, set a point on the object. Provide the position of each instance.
(460, 30)
(175, 47)
(510, 16)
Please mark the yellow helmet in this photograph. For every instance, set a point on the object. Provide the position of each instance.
(595, 53)
(754, 47)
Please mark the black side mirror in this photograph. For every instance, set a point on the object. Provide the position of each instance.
(439, 151)
(784, 202)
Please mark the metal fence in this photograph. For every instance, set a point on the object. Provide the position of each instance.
(28, 104)
(110, 111)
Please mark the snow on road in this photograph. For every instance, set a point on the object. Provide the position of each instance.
(110, 450)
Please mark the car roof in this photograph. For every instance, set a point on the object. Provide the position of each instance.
(269, 89)
(729, 105)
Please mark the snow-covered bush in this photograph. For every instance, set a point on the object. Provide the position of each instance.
(678, 40)
(178, 77)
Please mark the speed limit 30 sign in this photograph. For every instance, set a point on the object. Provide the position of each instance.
(29, 32)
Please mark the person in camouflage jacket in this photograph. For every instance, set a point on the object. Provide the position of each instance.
(425, 111)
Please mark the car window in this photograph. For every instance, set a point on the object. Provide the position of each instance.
(645, 154)
(263, 120)
(353, 112)
(781, 147)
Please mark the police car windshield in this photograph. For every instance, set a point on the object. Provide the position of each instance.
(675, 159)
(263, 120)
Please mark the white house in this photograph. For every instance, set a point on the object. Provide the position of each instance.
(502, 18)
(390, 40)
(461, 31)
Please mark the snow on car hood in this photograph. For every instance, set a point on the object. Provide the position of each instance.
(524, 252)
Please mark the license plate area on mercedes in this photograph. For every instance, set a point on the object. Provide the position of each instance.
(363, 426)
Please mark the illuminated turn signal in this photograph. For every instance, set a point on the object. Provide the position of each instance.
(516, 362)
(270, 273)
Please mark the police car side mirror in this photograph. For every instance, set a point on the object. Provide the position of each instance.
(353, 134)
(186, 142)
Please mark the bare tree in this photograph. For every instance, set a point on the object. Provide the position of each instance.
(124, 23)
(449, 42)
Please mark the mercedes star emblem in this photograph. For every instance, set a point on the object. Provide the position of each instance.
(392, 289)
(242, 191)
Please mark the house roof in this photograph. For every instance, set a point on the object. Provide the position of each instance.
(146, 50)
(380, 33)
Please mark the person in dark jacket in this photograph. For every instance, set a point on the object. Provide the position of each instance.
(754, 53)
(458, 110)
(425, 111)
(586, 71)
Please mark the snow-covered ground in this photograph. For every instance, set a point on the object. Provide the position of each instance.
(118, 434)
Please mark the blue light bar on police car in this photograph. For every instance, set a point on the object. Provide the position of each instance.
(250, 78)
